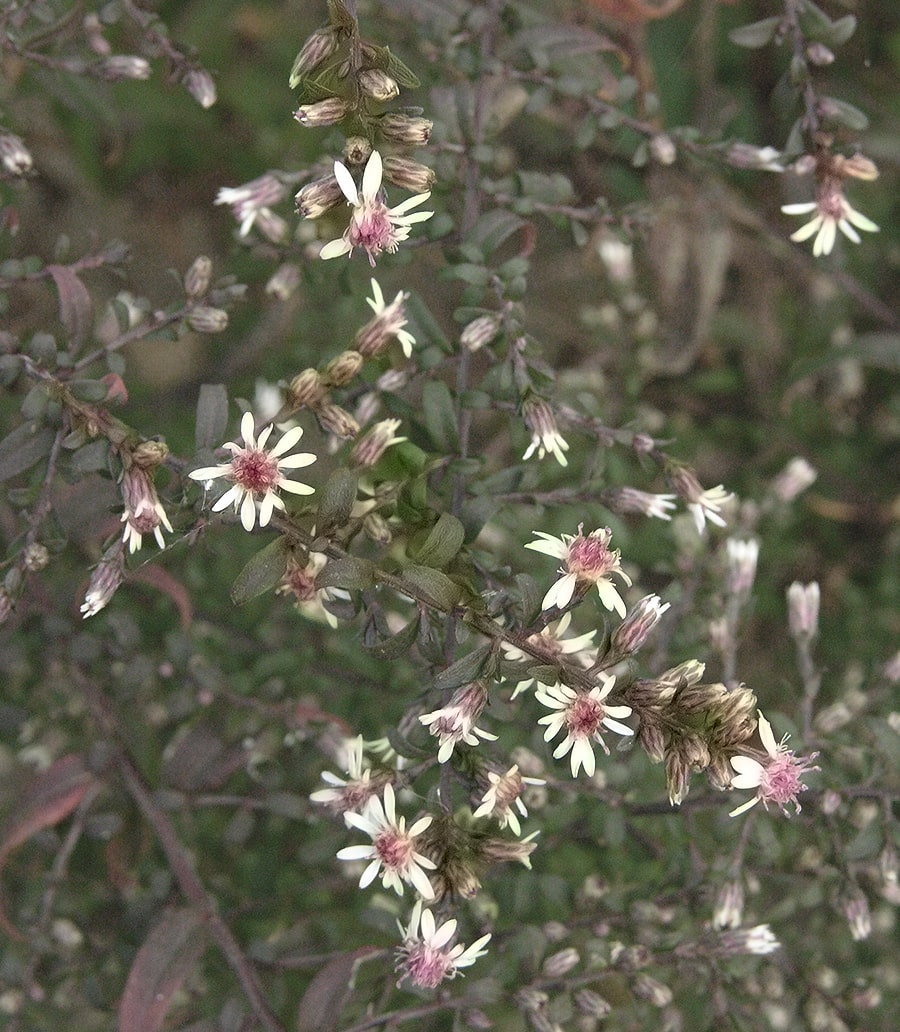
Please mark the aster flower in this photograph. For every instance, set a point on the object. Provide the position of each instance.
(588, 560)
(257, 474)
(702, 505)
(630, 499)
(373, 226)
(388, 323)
(832, 213)
(353, 793)
(632, 633)
(455, 722)
(300, 581)
(504, 793)
(776, 778)
(545, 435)
(143, 513)
(581, 715)
(425, 957)
(551, 642)
(252, 203)
(393, 849)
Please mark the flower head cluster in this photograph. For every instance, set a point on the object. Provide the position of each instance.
(393, 851)
(505, 792)
(581, 715)
(373, 226)
(143, 513)
(426, 958)
(455, 722)
(300, 581)
(588, 559)
(257, 475)
(776, 778)
(552, 643)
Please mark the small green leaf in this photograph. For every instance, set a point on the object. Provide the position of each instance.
(433, 587)
(25, 446)
(440, 417)
(464, 670)
(492, 229)
(35, 402)
(351, 574)
(91, 391)
(397, 645)
(91, 458)
(336, 500)
(212, 416)
(262, 573)
(443, 542)
(840, 31)
(844, 114)
(756, 35)
(400, 72)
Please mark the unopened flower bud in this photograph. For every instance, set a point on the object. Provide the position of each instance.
(805, 165)
(818, 54)
(306, 390)
(630, 499)
(507, 850)
(408, 174)
(728, 911)
(357, 150)
(148, 455)
(742, 558)
(652, 990)
(763, 159)
(317, 197)
(633, 631)
(375, 442)
(662, 148)
(320, 46)
(14, 155)
(199, 83)
(405, 129)
(322, 112)
(855, 908)
(480, 331)
(342, 369)
(93, 30)
(803, 609)
(205, 319)
(335, 420)
(378, 84)
(196, 279)
(888, 864)
(758, 941)
(831, 802)
(592, 1004)
(35, 557)
(124, 66)
(376, 529)
(652, 740)
(794, 479)
(561, 963)
(283, 282)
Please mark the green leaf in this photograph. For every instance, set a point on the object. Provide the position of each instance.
(434, 587)
(91, 458)
(336, 500)
(756, 35)
(25, 446)
(443, 542)
(493, 228)
(440, 417)
(91, 391)
(840, 31)
(35, 402)
(350, 573)
(397, 645)
(76, 309)
(262, 573)
(844, 114)
(400, 72)
(464, 670)
(212, 416)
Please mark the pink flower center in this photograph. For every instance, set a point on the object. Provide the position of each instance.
(584, 717)
(426, 966)
(301, 584)
(830, 199)
(780, 781)
(372, 229)
(255, 470)
(145, 519)
(589, 558)
(394, 849)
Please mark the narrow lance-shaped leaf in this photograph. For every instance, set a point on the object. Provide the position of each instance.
(336, 500)
(443, 542)
(262, 573)
(76, 310)
(25, 446)
(756, 35)
(322, 1003)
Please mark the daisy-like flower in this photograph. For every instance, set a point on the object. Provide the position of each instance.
(353, 793)
(702, 505)
(832, 213)
(632, 633)
(630, 499)
(776, 778)
(373, 225)
(393, 849)
(252, 203)
(426, 958)
(545, 435)
(257, 474)
(143, 513)
(588, 560)
(551, 642)
(456, 722)
(505, 793)
(387, 324)
(300, 581)
(581, 715)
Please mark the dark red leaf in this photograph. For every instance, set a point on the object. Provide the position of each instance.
(322, 1003)
(160, 968)
(76, 310)
(50, 798)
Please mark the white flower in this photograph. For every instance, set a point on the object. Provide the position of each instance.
(388, 323)
(143, 513)
(545, 435)
(581, 715)
(257, 474)
(300, 581)
(551, 642)
(393, 849)
(252, 202)
(456, 722)
(707, 507)
(373, 226)
(504, 792)
(776, 778)
(832, 213)
(352, 793)
(588, 560)
(425, 958)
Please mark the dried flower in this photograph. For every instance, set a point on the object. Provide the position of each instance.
(196, 279)
(545, 435)
(387, 324)
(581, 715)
(455, 722)
(776, 778)
(124, 66)
(143, 513)
(588, 560)
(257, 474)
(373, 226)
(393, 849)
(425, 957)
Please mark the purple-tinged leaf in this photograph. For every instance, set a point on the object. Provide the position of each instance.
(76, 310)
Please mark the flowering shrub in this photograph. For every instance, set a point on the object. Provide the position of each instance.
(589, 324)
